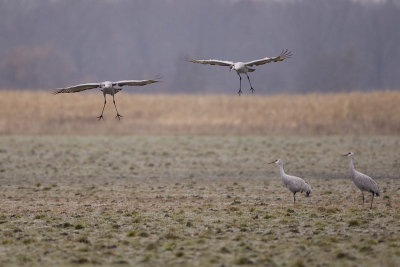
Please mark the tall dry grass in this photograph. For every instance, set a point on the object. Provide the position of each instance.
(27, 112)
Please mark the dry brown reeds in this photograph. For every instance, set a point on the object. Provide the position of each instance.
(29, 112)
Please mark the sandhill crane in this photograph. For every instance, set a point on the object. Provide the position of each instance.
(362, 181)
(293, 183)
(244, 67)
(107, 87)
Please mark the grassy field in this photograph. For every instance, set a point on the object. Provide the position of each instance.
(195, 201)
(27, 112)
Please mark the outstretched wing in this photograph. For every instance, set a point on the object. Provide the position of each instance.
(135, 82)
(284, 55)
(77, 88)
(212, 62)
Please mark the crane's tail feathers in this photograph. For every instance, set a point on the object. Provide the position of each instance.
(117, 90)
(376, 192)
(250, 69)
(308, 190)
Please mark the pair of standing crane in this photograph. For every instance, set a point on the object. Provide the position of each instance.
(293, 183)
(362, 181)
(111, 88)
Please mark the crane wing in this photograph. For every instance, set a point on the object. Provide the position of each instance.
(135, 82)
(77, 88)
(366, 183)
(284, 55)
(212, 62)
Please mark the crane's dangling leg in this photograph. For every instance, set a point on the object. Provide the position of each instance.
(363, 197)
(372, 200)
(251, 86)
(105, 101)
(118, 116)
(240, 85)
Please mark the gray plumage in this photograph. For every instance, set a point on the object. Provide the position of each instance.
(244, 67)
(362, 181)
(293, 183)
(107, 87)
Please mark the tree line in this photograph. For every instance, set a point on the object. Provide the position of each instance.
(338, 45)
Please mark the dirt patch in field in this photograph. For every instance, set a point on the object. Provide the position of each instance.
(198, 222)
(195, 201)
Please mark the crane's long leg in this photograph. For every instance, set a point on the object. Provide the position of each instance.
(240, 84)
(294, 199)
(372, 200)
(105, 101)
(251, 86)
(118, 116)
(363, 197)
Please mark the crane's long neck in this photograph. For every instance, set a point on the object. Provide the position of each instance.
(282, 171)
(352, 170)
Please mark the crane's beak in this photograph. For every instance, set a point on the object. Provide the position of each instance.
(345, 155)
(271, 162)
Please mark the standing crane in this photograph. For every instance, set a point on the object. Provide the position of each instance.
(244, 67)
(293, 183)
(362, 181)
(107, 87)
